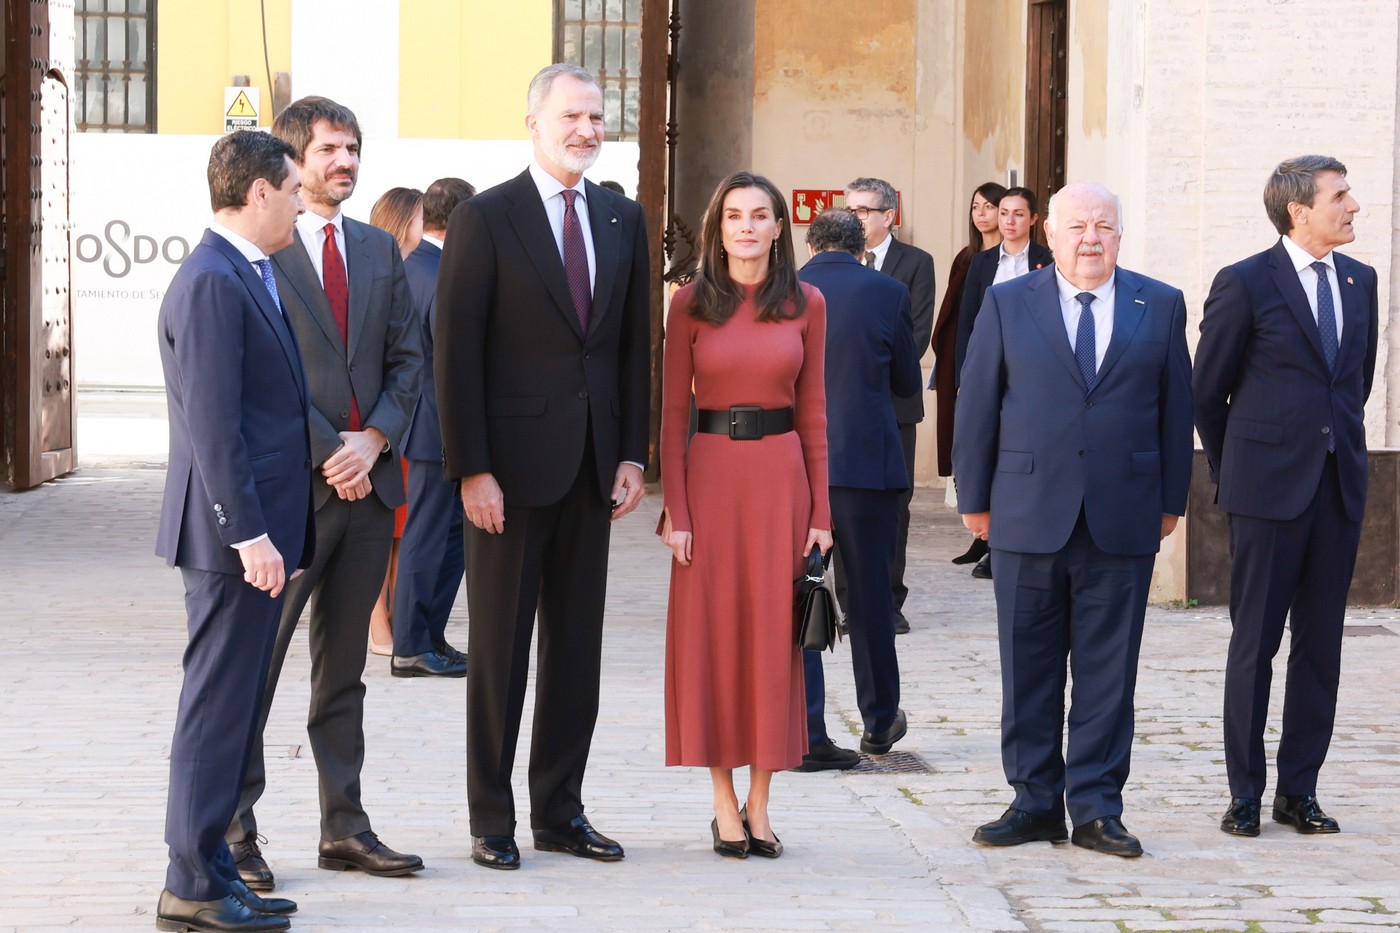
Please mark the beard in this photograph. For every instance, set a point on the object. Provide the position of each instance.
(320, 190)
(560, 154)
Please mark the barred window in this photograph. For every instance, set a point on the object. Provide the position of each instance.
(115, 82)
(605, 36)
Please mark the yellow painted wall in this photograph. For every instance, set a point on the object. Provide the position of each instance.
(201, 46)
(464, 66)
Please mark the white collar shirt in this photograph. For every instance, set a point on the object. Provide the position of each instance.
(312, 229)
(429, 238)
(1101, 308)
(1302, 265)
(880, 251)
(551, 192)
(1012, 267)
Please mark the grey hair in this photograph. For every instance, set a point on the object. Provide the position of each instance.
(543, 82)
(1050, 223)
(1295, 181)
(837, 229)
(888, 199)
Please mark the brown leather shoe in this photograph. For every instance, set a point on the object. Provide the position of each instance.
(364, 851)
(252, 868)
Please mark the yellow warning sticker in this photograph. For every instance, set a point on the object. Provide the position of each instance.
(241, 107)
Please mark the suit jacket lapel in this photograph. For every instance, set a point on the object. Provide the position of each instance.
(1044, 305)
(1353, 316)
(361, 279)
(607, 238)
(1129, 308)
(263, 299)
(892, 257)
(528, 217)
(300, 277)
(1286, 280)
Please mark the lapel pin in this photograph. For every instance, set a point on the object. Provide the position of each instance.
(1350, 281)
(612, 220)
(1139, 301)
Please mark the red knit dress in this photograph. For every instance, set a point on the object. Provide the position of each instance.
(734, 693)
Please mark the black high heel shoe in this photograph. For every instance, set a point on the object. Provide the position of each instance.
(760, 846)
(726, 848)
(974, 553)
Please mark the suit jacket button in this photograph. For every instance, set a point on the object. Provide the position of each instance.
(218, 507)
(583, 394)
(345, 414)
(222, 520)
(306, 465)
(1326, 429)
(1088, 404)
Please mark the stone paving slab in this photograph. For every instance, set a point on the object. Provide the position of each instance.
(89, 678)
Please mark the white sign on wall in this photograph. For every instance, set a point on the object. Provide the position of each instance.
(141, 203)
(241, 108)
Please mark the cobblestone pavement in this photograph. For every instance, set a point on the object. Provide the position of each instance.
(90, 671)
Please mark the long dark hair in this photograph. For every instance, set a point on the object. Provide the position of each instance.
(780, 297)
(991, 191)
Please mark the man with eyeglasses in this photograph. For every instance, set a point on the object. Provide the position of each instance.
(874, 201)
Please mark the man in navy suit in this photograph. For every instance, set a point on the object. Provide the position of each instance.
(1073, 450)
(870, 355)
(430, 554)
(1283, 369)
(236, 514)
(1018, 254)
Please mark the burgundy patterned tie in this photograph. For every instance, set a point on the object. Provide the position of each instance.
(576, 261)
(338, 295)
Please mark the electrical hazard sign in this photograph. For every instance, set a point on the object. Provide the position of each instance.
(241, 108)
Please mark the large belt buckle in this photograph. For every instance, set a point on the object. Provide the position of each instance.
(745, 423)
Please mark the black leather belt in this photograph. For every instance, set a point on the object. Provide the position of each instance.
(745, 422)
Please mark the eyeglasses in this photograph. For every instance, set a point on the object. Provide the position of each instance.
(864, 212)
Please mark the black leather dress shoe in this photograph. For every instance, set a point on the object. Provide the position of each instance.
(1242, 819)
(880, 743)
(427, 664)
(828, 756)
(449, 652)
(248, 859)
(739, 849)
(1107, 835)
(983, 570)
(901, 624)
(975, 552)
(365, 852)
(278, 906)
(1304, 814)
(1015, 827)
(495, 852)
(758, 845)
(224, 915)
(579, 838)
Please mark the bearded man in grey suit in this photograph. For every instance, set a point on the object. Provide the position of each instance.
(348, 302)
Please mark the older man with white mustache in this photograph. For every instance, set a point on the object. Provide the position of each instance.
(1072, 449)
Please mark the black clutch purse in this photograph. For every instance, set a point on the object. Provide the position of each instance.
(814, 606)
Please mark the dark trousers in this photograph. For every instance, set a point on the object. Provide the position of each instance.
(430, 560)
(1084, 606)
(864, 522)
(898, 591)
(232, 627)
(555, 559)
(1299, 570)
(342, 583)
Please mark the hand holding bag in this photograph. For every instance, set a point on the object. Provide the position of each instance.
(814, 606)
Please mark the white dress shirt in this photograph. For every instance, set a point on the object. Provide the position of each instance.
(312, 228)
(1012, 267)
(429, 238)
(552, 194)
(1101, 308)
(1302, 264)
(879, 252)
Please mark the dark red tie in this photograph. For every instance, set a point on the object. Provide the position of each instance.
(576, 262)
(338, 295)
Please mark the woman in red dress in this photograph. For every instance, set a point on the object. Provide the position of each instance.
(745, 501)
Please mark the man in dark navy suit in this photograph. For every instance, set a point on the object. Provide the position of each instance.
(870, 355)
(875, 202)
(542, 343)
(430, 554)
(236, 514)
(1283, 370)
(1072, 447)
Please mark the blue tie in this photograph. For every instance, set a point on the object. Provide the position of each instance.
(1326, 315)
(265, 270)
(1084, 350)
